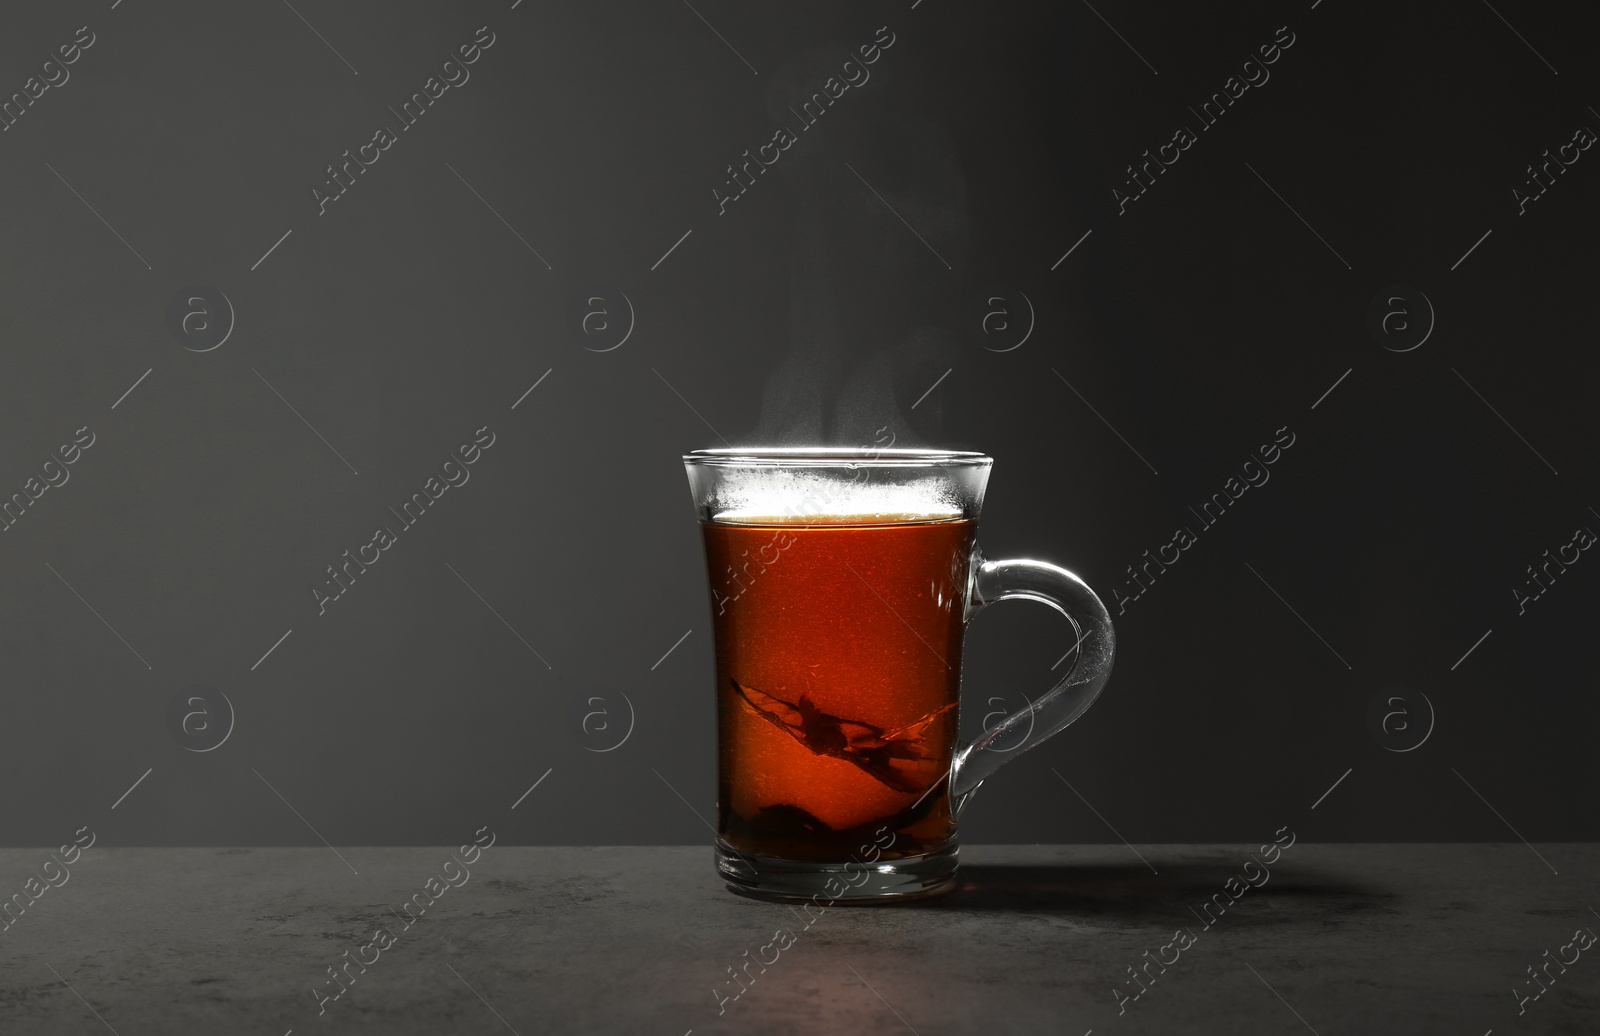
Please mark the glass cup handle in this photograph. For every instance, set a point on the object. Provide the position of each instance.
(1071, 696)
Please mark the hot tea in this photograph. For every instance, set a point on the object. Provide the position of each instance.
(838, 667)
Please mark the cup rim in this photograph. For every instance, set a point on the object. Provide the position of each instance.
(833, 457)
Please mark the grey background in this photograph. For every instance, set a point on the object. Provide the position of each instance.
(411, 314)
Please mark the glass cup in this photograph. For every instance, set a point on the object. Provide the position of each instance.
(842, 581)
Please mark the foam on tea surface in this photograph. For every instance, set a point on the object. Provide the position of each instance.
(785, 497)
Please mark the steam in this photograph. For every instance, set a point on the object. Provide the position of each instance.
(861, 285)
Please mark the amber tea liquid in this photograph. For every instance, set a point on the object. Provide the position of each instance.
(838, 663)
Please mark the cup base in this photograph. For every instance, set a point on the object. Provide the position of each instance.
(819, 883)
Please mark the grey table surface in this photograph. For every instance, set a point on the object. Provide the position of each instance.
(1338, 939)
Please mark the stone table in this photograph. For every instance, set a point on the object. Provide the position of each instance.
(1038, 939)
